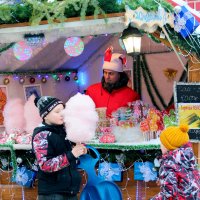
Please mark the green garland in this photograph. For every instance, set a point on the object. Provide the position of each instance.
(5, 48)
(134, 75)
(124, 147)
(40, 72)
(36, 11)
(148, 86)
(153, 82)
(139, 75)
(13, 157)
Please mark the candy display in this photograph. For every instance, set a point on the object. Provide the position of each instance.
(152, 125)
(107, 135)
(134, 123)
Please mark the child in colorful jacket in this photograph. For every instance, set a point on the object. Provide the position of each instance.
(58, 177)
(178, 175)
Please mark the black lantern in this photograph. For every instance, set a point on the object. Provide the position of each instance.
(131, 38)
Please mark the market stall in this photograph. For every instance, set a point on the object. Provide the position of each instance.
(131, 135)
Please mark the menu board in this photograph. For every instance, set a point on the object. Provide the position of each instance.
(187, 103)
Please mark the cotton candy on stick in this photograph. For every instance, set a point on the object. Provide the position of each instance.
(14, 116)
(80, 118)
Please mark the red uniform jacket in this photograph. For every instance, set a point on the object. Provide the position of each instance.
(118, 98)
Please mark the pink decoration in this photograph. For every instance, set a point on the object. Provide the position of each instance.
(22, 51)
(74, 46)
(107, 138)
(31, 115)
(14, 116)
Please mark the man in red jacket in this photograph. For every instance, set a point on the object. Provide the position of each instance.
(113, 91)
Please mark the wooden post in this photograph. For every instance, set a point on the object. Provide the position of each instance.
(194, 76)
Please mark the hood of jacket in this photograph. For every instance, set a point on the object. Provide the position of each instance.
(183, 155)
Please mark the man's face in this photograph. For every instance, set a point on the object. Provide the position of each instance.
(111, 76)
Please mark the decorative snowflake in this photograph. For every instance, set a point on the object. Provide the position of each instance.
(107, 171)
(179, 23)
(188, 15)
(147, 172)
(22, 176)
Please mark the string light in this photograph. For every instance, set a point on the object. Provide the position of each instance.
(40, 75)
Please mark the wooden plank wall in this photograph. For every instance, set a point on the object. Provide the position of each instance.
(9, 190)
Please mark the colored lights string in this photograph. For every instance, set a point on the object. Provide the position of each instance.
(42, 76)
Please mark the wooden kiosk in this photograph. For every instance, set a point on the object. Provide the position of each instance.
(10, 190)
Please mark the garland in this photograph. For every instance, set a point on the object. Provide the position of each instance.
(131, 156)
(43, 72)
(6, 47)
(138, 76)
(148, 86)
(153, 82)
(125, 147)
(36, 11)
(136, 71)
(13, 157)
(134, 74)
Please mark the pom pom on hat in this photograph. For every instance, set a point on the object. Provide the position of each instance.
(174, 137)
(46, 104)
(114, 62)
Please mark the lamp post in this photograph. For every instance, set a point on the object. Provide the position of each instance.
(131, 38)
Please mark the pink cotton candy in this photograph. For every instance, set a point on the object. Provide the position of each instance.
(80, 118)
(31, 115)
(14, 116)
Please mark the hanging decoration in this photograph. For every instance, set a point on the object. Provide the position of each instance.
(22, 51)
(25, 177)
(35, 40)
(148, 78)
(21, 80)
(43, 76)
(32, 80)
(76, 77)
(170, 73)
(180, 3)
(67, 78)
(43, 80)
(57, 79)
(148, 21)
(185, 23)
(74, 46)
(6, 81)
